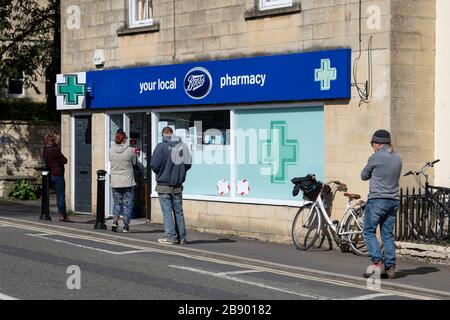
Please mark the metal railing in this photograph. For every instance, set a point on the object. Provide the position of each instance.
(423, 216)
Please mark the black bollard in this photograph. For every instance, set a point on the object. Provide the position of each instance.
(45, 201)
(100, 222)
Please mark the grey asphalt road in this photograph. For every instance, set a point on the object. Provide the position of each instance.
(37, 260)
(35, 265)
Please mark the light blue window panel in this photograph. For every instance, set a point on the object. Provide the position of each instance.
(275, 145)
(210, 164)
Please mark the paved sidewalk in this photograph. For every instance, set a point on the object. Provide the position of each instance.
(435, 277)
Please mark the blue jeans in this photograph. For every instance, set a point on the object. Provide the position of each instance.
(59, 185)
(123, 203)
(382, 212)
(172, 204)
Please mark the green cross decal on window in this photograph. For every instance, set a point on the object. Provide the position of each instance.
(71, 89)
(325, 74)
(278, 152)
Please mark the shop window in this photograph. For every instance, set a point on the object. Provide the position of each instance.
(275, 145)
(206, 134)
(272, 8)
(115, 123)
(141, 13)
(274, 4)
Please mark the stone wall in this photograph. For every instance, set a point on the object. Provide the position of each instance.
(442, 114)
(66, 149)
(413, 82)
(424, 253)
(98, 152)
(21, 149)
(263, 222)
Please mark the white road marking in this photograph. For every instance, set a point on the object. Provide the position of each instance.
(250, 283)
(239, 272)
(5, 297)
(370, 296)
(45, 236)
(38, 234)
(322, 276)
(76, 245)
(133, 251)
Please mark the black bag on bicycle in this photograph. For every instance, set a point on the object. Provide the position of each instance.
(309, 186)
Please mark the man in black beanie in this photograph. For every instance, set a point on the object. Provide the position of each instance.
(383, 170)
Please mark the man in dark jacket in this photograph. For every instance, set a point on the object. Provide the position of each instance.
(170, 161)
(383, 170)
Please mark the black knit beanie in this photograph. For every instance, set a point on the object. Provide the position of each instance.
(382, 137)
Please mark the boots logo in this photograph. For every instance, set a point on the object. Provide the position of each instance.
(197, 83)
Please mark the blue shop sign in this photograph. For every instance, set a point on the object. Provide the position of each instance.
(292, 77)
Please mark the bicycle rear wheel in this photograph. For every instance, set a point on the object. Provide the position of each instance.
(306, 227)
(354, 230)
(429, 225)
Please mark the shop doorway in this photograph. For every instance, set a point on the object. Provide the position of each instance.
(135, 126)
(83, 164)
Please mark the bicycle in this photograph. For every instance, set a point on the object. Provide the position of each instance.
(312, 220)
(432, 213)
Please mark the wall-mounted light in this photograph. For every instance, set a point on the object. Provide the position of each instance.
(99, 58)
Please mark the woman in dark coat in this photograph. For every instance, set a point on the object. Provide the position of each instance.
(55, 161)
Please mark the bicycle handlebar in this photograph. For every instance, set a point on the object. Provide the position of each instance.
(434, 162)
(427, 165)
(338, 183)
(409, 173)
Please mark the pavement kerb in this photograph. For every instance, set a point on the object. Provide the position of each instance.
(179, 250)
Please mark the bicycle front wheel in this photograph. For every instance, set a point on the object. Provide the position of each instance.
(306, 227)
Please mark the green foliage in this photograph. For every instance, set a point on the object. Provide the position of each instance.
(24, 190)
(27, 31)
(30, 46)
(23, 109)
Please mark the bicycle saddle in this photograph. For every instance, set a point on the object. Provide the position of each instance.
(352, 196)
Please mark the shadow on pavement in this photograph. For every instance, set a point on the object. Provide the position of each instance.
(151, 231)
(211, 241)
(417, 271)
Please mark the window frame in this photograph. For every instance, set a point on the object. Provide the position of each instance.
(16, 95)
(132, 22)
(264, 5)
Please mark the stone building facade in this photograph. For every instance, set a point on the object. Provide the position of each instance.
(393, 46)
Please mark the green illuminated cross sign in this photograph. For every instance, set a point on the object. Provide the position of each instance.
(71, 89)
(278, 152)
(325, 74)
